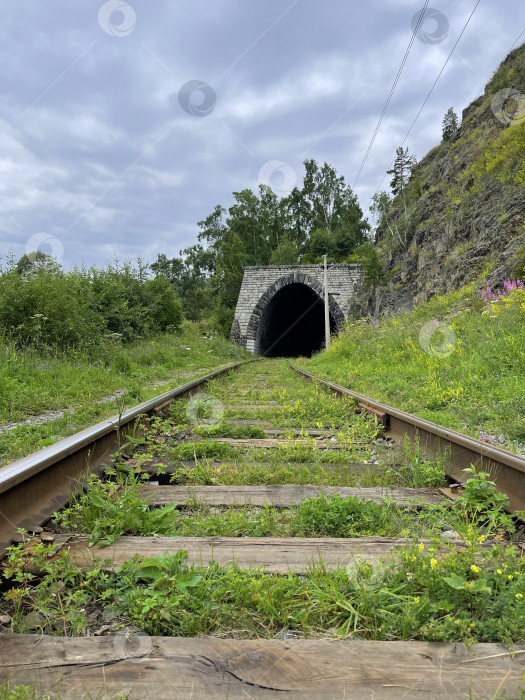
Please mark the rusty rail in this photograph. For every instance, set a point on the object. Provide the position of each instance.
(33, 488)
(457, 451)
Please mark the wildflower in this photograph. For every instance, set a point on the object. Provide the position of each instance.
(475, 568)
(416, 599)
(519, 595)
(482, 539)
(510, 577)
(421, 546)
(499, 571)
(472, 624)
(433, 563)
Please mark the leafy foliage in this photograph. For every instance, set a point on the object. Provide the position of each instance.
(450, 124)
(401, 170)
(479, 386)
(107, 512)
(322, 216)
(435, 593)
(43, 306)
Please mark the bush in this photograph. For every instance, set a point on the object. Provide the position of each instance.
(47, 309)
(163, 305)
(43, 306)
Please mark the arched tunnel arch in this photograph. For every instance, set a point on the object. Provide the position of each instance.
(288, 321)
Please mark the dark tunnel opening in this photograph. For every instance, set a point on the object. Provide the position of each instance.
(292, 323)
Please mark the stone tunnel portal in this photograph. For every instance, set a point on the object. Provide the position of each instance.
(292, 324)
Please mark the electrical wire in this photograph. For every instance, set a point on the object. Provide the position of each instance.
(434, 85)
(392, 90)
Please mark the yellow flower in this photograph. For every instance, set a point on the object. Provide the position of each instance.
(482, 539)
(499, 571)
(519, 595)
(472, 624)
(433, 563)
(416, 599)
(475, 568)
(421, 546)
(510, 577)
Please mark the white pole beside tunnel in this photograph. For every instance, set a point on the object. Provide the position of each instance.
(326, 307)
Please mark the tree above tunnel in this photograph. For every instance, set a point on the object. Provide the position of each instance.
(328, 212)
(320, 217)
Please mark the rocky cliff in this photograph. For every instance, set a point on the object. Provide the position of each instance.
(461, 215)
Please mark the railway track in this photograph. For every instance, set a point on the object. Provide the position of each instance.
(313, 502)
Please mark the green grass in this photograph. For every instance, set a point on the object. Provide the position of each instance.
(321, 516)
(474, 595)
(305, 405)
(226, 430)
(479, 386)
(22, 692)
(32, 383)
(106, 513)
(278, 473)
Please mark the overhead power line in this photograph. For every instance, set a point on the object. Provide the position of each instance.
(392, 90)
(514, 44)
(441, 71)
(434, 85)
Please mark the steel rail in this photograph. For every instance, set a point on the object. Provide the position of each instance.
(34, 487)
(457, 451)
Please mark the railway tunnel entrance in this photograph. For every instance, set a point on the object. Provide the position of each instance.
(292, 324)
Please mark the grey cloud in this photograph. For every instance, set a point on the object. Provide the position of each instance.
(106, 159)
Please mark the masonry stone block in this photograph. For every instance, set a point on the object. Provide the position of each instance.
(260, 284)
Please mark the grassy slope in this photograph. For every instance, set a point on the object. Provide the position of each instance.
(466, 208)
(479, 386)
(32, 384)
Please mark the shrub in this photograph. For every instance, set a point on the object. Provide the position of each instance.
(43, 306)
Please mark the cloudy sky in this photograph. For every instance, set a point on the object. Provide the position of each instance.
(122, 125)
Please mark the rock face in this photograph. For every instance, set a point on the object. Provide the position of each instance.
(461, 216)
